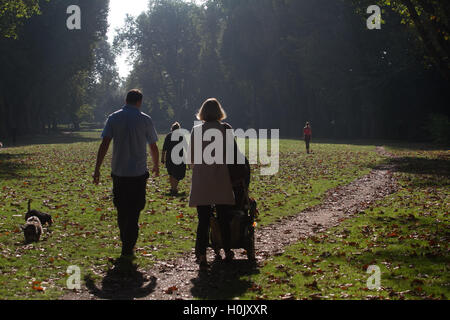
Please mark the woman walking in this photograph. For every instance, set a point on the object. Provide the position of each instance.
(177, 172)
(307, 135)
(211, 183)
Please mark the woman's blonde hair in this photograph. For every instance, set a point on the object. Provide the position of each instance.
(211, 110)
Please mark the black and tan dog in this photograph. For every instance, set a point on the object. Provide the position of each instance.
(32, 229)
(44, 218)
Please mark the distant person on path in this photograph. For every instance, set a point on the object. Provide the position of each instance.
(211, 184)
(177, 172)
(307, 135)
(131, 131)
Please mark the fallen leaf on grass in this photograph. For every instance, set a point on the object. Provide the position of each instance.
(392, 235)
(37, 286)
(171, 290)
(346, 286)
(287, 296)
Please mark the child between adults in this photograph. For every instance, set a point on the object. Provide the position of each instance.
(177, 172)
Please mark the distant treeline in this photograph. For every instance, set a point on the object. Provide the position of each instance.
(272, 63)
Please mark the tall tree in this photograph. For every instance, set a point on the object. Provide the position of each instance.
(280, 63)
(45, 70)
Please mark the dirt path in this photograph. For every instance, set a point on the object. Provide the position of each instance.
(180, 279)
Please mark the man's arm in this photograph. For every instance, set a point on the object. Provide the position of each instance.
(154, 152)
(102, 151)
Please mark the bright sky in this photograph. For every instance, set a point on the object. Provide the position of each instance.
(118, 9)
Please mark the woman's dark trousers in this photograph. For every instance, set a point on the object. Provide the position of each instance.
(204, 216)
(307, 142)
(129, 199)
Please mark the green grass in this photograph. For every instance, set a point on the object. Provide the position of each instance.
(406, 235)
(56, 173)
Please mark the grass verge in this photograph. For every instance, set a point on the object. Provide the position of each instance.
(406, 235)
(56, 174)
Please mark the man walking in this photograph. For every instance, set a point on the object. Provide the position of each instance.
(130, 130)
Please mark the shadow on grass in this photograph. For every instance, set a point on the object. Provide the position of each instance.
(425, 172)
(12, 168)
(122, 282)
(63, 137)
(178, 195)
(414, 165)
(223, 281)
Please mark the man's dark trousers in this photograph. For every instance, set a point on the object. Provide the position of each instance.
(129, 199)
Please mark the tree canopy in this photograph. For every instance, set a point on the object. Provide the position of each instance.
(272, 63)
(280, 63)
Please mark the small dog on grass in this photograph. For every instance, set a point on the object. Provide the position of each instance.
(43, 217)
(32, 229)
